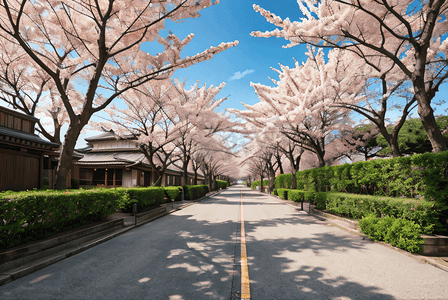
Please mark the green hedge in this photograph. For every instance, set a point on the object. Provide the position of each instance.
(424, 213)
(144, 196)
(402, 233)
(193, 192)
(221, 184)
(33, 215)
(28, 216)
(282, 193)
(296, 195)
(258, 183)
(414, 176)
(173, 192)
(283, 181)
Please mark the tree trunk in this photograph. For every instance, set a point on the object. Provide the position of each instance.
(66, 155)
(271, 180)
(261, 182)
(185, 170)
(195, 181)
(294, 180)
(210, 184)
(321, 160)
(426, 114)
(392, 141)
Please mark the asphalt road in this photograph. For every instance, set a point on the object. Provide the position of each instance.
(195, 253)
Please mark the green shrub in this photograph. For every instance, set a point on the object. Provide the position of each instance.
(401, 233)
(283, 193)
(193, 192)
(173, 192)
(296, 195)
(424, 213)
(382, 227)
(309, 196)
(221, 184)
(33, 215)
(413, 176)
(145, 197)
(367, 224)
(258, 183)
(405, 234)
(320, 199)
(283, 181)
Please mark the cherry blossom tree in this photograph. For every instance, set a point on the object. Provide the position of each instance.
(148, 120)
(196, 120)
(169, 122)
(301, 103)
(409, 35)
(24, 88)
(97, 45)
(215, 160)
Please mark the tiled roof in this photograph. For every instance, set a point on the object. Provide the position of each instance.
(118, 158)
(109, 135)
(24, 138)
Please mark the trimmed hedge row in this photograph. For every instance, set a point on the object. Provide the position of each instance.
(400, 233)
(414, 176)
(32, 215)
(221, 184)
(173, 192)
(193, 192)
(424, 213)
(283, 181)
(28, 216)
(144, 196)
(258, 183)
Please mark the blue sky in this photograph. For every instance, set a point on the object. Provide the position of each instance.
(249, 61)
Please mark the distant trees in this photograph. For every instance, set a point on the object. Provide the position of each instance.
(413, 138)
(170, 123)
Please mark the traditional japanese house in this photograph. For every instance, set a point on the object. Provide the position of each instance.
(22, 153)
(111, 162)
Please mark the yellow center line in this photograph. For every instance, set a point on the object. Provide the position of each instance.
(245, 285)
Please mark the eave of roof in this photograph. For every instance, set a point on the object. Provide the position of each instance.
(24, 138)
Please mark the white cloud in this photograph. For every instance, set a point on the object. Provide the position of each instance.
(239, 75)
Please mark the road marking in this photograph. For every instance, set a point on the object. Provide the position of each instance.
(245, 284)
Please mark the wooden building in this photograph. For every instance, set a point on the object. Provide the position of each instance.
(111, 162)
(21, 152)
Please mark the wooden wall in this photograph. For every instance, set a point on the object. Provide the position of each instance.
(19, 170)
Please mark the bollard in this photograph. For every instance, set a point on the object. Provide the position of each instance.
(134, 210)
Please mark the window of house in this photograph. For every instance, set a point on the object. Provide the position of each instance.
(99, 177)
(2, 119)
(110, 177)
(118, 177)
